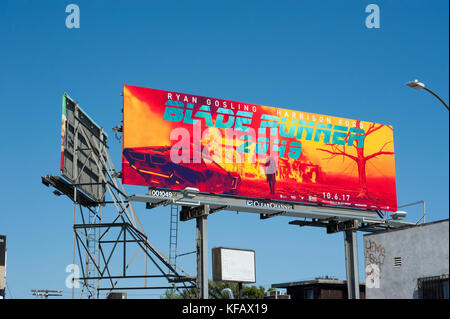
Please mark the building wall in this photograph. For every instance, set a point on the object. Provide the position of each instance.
(322, 291)
(330, 292)
(424, 251)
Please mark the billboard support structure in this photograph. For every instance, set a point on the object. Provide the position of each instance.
(351, 263)
(333, 219)
(254, 158)
(202, 253)
(89, 174)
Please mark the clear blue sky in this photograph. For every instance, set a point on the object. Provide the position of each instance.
(314, 56)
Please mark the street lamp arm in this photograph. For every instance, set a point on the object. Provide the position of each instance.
(427, 89)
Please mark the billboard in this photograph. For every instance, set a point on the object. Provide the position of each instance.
(175, 140)
(80, 140)
(231, 264)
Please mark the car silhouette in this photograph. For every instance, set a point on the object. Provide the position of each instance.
(156, 167)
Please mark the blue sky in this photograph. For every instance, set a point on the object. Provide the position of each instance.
(313, 56)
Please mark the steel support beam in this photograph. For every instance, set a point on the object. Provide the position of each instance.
(202, 254)
(351, 263)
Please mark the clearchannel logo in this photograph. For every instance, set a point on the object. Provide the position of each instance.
(267, 204)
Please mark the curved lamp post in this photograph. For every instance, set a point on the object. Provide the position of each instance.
(419, 85)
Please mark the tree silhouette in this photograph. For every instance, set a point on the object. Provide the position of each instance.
(360, 159)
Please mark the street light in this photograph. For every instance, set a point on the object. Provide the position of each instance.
(419, 85)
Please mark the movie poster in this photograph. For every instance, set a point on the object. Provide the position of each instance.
(175, 140)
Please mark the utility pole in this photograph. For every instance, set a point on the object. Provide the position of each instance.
(351, 263)
(202, 254)
(46, 293)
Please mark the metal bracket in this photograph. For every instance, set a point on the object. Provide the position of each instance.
(118, 129)
(266, 216)
(314, 223)
(334, 227)
(188, 213)
(161, 203)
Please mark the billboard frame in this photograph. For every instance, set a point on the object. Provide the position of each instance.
(268, 208)
(81, 142)
(137, 156)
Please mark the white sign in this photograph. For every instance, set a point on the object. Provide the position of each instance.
(234, 265)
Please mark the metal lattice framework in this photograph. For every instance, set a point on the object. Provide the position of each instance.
(98, 235)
